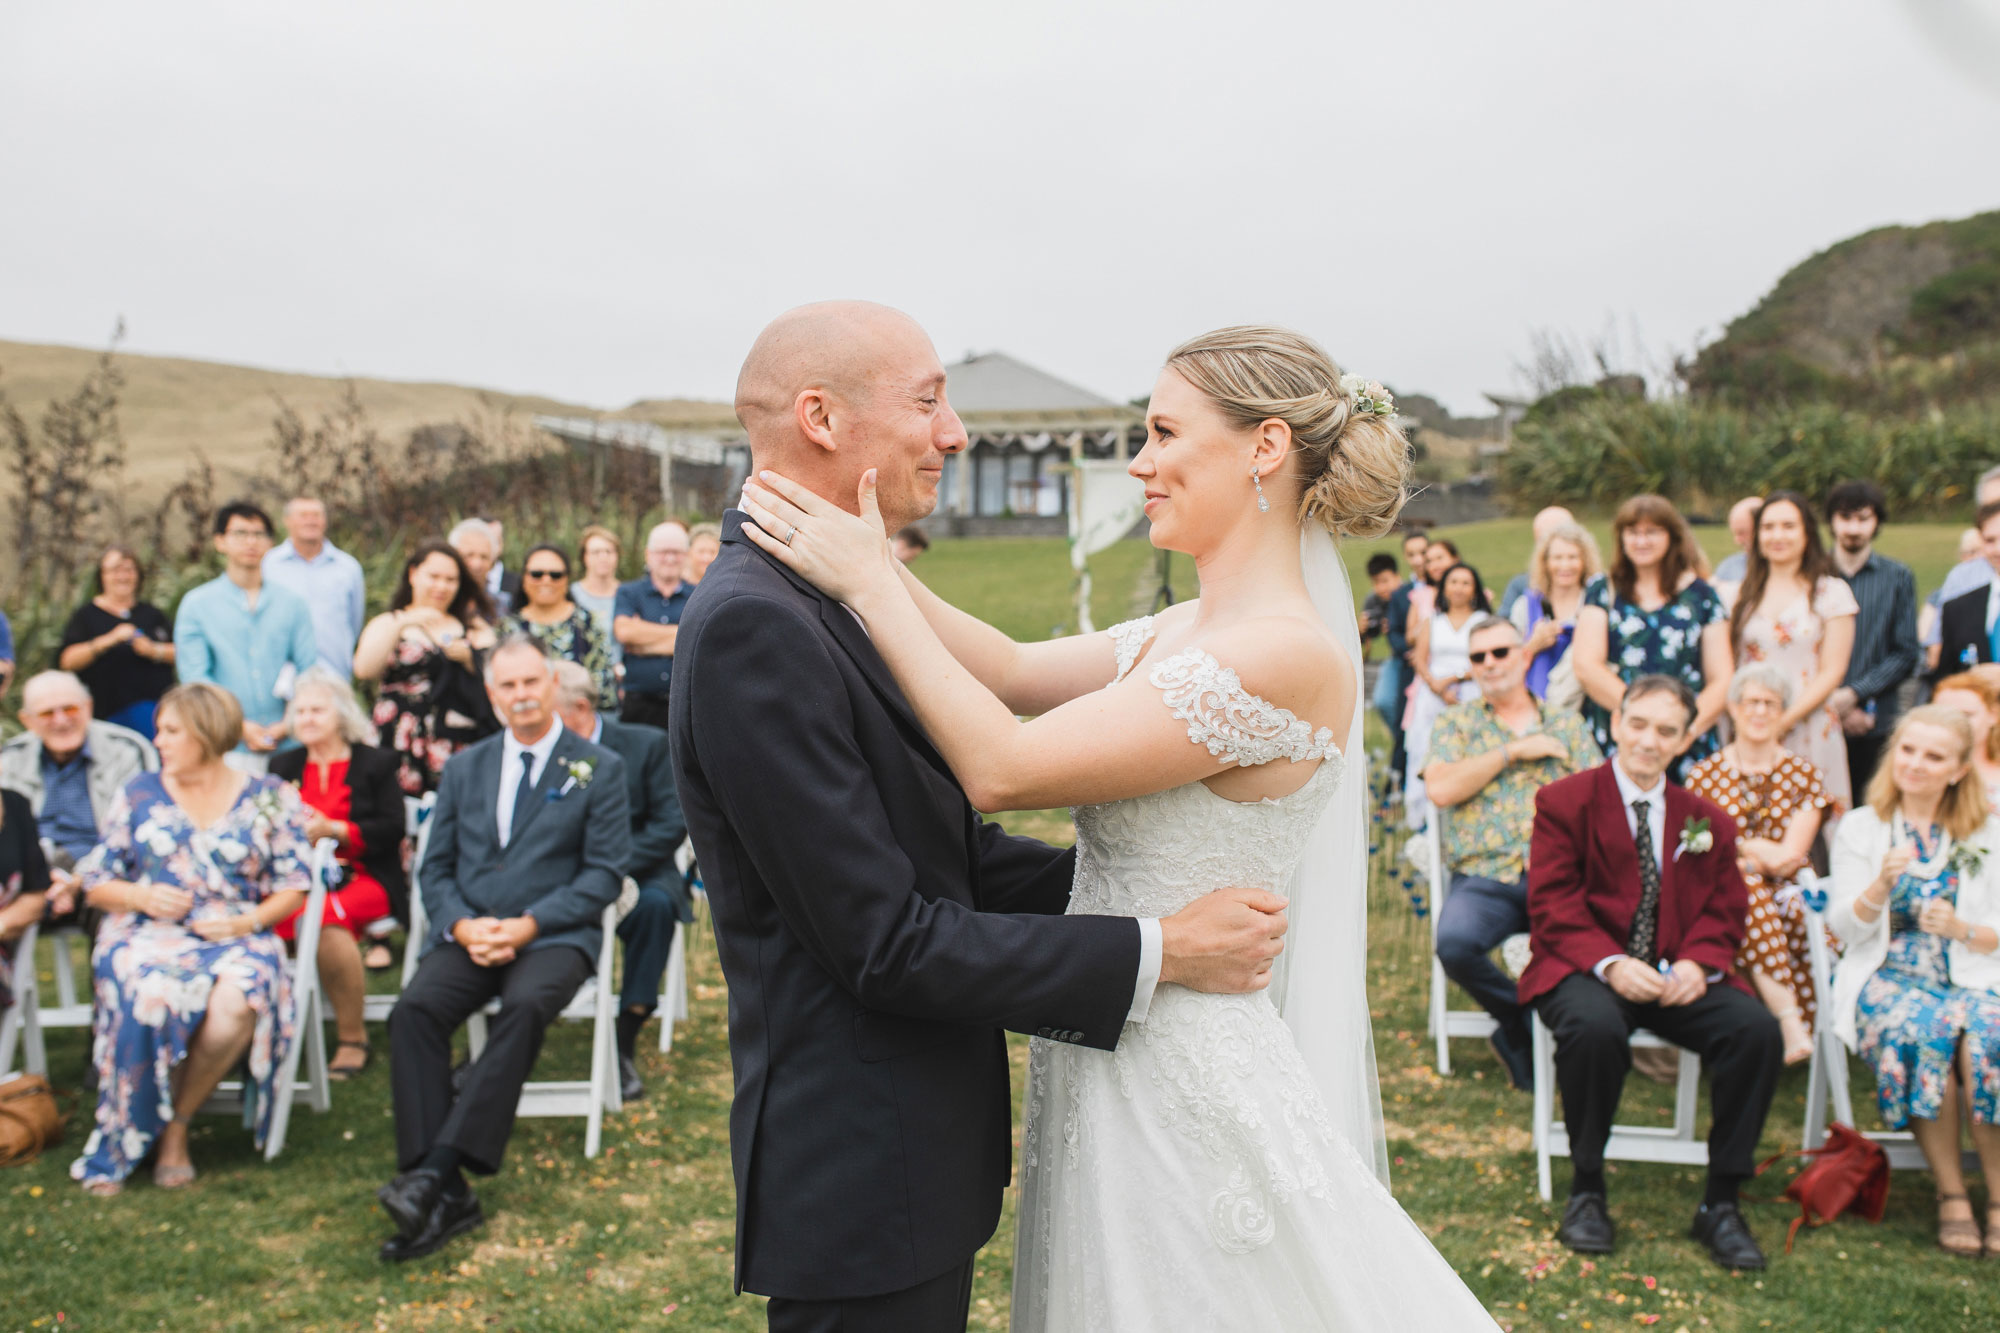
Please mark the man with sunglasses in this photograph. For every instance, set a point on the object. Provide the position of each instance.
(1488, 758)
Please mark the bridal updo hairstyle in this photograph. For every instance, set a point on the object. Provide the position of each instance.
(1354, 467)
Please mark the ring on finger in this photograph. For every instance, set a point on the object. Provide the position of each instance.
(793, 533)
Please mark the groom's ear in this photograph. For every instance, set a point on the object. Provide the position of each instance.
(815, 409)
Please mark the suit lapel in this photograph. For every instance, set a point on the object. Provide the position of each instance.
(553, 774)
(1614, 837)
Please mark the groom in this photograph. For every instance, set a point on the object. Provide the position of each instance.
(877, 936)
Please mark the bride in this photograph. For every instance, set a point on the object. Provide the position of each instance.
(1224, 1166)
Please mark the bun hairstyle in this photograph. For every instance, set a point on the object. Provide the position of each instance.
(1353, 464)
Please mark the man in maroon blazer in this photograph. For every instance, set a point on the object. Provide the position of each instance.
(1632, 931)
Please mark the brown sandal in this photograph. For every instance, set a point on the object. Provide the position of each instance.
(1958, 1235)
(342, 1073)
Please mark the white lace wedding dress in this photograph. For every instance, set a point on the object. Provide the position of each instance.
(1192, 1178)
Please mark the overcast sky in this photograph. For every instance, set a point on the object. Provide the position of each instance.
(605, 202)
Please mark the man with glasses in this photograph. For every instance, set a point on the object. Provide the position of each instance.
(646, 618)
(1488, 758)
(245, 636)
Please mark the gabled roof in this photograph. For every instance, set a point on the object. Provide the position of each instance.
(996, 382)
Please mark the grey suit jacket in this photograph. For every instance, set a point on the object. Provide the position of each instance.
(566, 858)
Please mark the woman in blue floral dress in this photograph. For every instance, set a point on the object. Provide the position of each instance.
(1653, 614)
(198, 862)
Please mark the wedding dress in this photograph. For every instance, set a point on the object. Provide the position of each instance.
(1193, 1178)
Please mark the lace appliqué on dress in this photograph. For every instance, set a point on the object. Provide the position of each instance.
(1232, 722)
(1129, 639)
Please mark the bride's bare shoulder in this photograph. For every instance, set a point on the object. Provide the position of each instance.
(1287, 660)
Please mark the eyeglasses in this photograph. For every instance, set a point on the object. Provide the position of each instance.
(543, 574)
(1497, 654)
(60, 710)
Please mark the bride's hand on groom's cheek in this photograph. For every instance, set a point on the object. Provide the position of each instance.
(843, 555)
(1224, 943)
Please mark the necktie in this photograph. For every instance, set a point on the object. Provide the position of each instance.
(523, 793)
(1644, 944)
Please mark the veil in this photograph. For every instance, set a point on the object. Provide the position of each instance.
(1320, 984)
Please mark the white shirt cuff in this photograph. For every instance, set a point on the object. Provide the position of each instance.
(1152, 951)
(1604, 965)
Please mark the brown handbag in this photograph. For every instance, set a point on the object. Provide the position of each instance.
(29, 1120)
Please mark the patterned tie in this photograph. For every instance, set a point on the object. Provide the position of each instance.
(523, 794)
(1644, 943)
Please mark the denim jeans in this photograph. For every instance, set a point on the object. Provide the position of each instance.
(1476, 917)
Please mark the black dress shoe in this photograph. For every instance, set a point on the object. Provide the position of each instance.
(452, 1215)
(629, 1085)
(409, 1199)
(1586, 1225)
(1721, 1227)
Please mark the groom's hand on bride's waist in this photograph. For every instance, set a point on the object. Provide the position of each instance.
(1224, 943)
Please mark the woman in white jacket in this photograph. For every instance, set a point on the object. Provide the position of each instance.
(1916, 901)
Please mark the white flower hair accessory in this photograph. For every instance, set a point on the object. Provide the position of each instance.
(1370, 398)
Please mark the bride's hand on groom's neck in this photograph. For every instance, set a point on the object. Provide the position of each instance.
(846, 556)
(1224, 943)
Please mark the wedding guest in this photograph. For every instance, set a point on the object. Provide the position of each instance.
(658, 829)
(1742, 528)
(503, 586)
(121, 648)
(479, 551)
(1652, 614)
(908, 543)
(1965, 623)
(1565, 560)
(1916, 992)
(1444, 673)
(527, 846)
(1383, 580)
(1488, 758)
(1968, 575)
(1636, 911)
(647, 620)
(1545, 522)
(1415, 547)
(244, 635)
(1777, 800)
(24, 884)
(1439, 556)
(426, 651)
(1794, 612)
(68, 765)
(704, 544)
(1886, 652)
(199, 861)
(352, 795)
(327, 579)
(547, 614)
(1971, 550)
(1976, 694)
(599, 551)
(6, 653)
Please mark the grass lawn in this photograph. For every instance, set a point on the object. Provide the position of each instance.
(642, 1236)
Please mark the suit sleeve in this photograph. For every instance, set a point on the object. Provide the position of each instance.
(1559, 918)
(607, 848)
(1019, 874)
(809, 817)
(444, 902)
(663, 828)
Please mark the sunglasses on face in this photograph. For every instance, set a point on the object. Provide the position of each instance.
(1497, 654)
(544, 574)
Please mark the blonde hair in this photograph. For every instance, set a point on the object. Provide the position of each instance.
(1981, 682)
(1576, 535)
(1353, 468)
(705, 530)
(1964, 807)
(209, 713)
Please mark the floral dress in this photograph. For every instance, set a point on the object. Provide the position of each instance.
(153, 977)
(1790, 641)
(428, 709)
(1912, 1019)
(1665, 642)
(1763, 805)
(580, 639)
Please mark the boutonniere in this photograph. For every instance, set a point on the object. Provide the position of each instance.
(1967, 860)
(1695, 837)
(579, 771)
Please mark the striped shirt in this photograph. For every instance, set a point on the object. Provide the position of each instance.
(1885, 635)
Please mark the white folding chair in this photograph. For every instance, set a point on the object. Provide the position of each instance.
(1628, 1143)
(673, 1007)
(20, 1022)
(375, 1008)
(1447, 1024)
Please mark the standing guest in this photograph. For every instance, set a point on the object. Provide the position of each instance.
(121, 647)
(1651, 614)
(1916, 993)
(68, 765)
(1742, 527)
(199, 862)
(1443, 664)
(6, 653)
(1636, 908)
(244, 635)
(426, 651)
(24, 883)
(1488, 758)
(1971, 550)
(704, 543)
(1777, 800)
(1886, 652)
(658, 829)
(1968, 575)
(1565, 561)
(648, 620)
(1383, 580)
(1547, 521)
(1966, 621)
(597, 591)
(566, 631)
(527, 847)
(1796, 613)
(908, 543)
(1415, 547)
(325, 577)
(503, 587)
(1976, 695)
(479, 551)
(351, 792)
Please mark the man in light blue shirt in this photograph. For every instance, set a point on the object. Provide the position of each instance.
(248, 637)
(327, 578)
(1967, 575)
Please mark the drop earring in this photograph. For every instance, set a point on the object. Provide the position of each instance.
(1263, 505)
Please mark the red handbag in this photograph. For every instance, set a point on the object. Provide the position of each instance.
(1849, 1173)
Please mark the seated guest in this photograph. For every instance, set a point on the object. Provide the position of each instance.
(1916, 994)
(198, 863)
(1488, 758)
(352, 795)
(1777, 801)
(647, 931)
(1976, 693)
(24, 882)
(1636, 913)
(546, 613)
(528, 845)
(122, 648)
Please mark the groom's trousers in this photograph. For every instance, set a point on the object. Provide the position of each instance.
(940, 1305)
